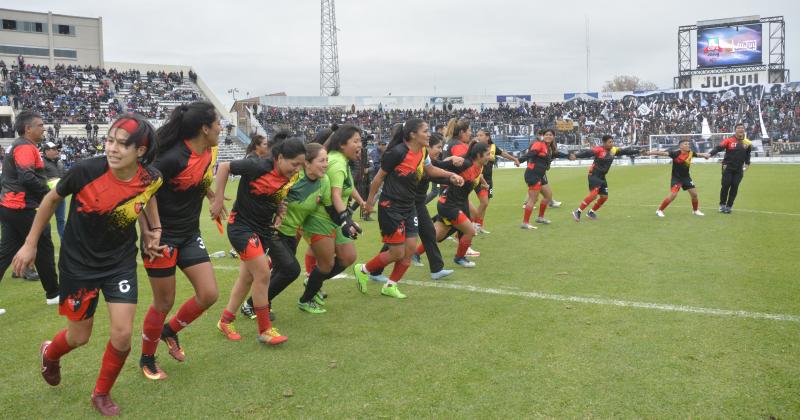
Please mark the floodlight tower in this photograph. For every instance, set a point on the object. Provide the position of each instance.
(328, 51)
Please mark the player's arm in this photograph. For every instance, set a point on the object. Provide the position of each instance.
(455, 160)
(656, 153)
(434, 172)
(510, 157)
(373, 189)
(747, 152)
(150, 228)
(719, 148)
(583, 154)
(217, 208)
(27, 253)
(628, 151)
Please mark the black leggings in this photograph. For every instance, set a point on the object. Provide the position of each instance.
(730, 187)
(285, 267)
(427, 234)
(14, 228)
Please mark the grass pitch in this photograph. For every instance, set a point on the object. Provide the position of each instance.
(451, 353)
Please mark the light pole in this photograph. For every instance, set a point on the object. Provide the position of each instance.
(233, 92)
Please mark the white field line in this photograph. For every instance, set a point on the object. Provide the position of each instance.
(714, 208)
(587, 300)
(609, 302)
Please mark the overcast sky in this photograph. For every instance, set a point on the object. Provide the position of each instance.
(412, 47)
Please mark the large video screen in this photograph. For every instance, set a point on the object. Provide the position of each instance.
(729, 46)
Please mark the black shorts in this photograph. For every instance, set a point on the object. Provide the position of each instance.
(535, 180)
(184, 251)
(396, 225)
(247, 242)
(78, 296)
(678, 183)
(599, 184)
(451, 215)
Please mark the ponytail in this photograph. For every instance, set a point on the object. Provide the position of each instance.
(341, 134)
(402, 132)
(475, 149)
(185, 122)
(255, 141)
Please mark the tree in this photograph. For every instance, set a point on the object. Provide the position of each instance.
(626, 83)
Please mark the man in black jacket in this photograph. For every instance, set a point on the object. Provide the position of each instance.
(54, 170)
(23, 187)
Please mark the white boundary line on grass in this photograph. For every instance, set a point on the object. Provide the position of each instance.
(592, 301)
(735, 209)
(609, 302)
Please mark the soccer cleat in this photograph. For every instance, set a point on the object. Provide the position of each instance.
(554, 204)
(52, 301)
(233, 254)
(361, 278)
(105, 405)
(452, 239)
(441, 274)
(728, 210)
(659, 213)
(542, 220)
(379, 278)
(698, 213)
(392, 290)
(272, 337)
(722, 208)
(2, 311)
(174, 346)
(228, 330)
(464, 262)
(51, 369)
(30, 274)
(528, 226)
(592, 215)
(311, 307)
(247, 310)
(472, 253)
(416, 261)
(150, 368)
(576, 215)
(318, 299)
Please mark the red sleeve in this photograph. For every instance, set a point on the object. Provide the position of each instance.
(597, 150)
(459, 149)
(27, 157)
(725, 143)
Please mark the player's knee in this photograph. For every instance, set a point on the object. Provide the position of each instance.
(77, 338)
(206, 298)
(163, 304)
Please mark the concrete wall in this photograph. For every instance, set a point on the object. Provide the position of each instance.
(87, 40)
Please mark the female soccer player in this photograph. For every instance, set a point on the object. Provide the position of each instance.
(453, 204)
(539, 157)
(99, 248)
(251, 228)
(603, 158)
(485, 194)
(427, 232)
(402, 166)
(737, 159)
(681, 161)
(344, 147)
(187, 154)
(258, 147)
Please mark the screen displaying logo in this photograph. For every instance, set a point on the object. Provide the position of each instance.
(729, 46)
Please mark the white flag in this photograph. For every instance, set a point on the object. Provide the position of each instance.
(643, 109)
(728, 95)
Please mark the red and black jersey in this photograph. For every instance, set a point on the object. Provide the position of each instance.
(261, 190)
(604, 158)
(187, 178)
(539, 157)
(456, 196)
(455, 147)
(681, 161)
(404, 170)
(737, 152)
(100, 234)
(23, 181)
